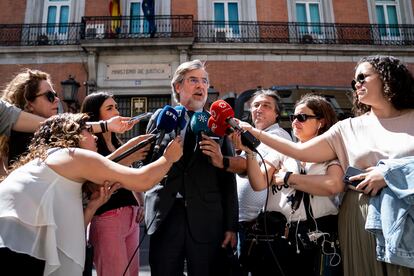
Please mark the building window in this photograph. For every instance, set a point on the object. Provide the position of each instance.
(387, 14)
(137, 24)
(309, 16)
(227, 11)
(56, 16)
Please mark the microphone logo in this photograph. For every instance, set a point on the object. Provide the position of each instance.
(223, 104)
(171, 114)
(202, 117)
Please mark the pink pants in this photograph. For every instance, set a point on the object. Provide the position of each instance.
(115, 236)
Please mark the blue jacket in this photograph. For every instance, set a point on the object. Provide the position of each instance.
(391, 213)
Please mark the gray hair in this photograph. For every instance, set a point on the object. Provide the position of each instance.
(182, 70)
(272, 94)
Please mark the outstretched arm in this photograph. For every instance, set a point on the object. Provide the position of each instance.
(315, 150)
(27, 122)
(81, 165)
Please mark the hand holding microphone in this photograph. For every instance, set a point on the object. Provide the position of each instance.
(224, 114)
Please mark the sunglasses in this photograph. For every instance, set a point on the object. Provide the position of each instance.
(50, 95)
(360, 78)
(302, 117)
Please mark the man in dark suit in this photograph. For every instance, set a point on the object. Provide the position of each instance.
(192, 214)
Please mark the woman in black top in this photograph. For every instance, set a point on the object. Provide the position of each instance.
(114, 230)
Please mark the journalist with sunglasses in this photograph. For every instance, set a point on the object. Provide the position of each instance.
(305, 197)
(31, 91)
(383, 99)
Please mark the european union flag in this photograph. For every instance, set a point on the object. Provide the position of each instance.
(148, 10)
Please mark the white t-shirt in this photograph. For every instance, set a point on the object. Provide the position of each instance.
(280, 196)
(250, 201)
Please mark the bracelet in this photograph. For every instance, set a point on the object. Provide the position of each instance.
(103, 128)
(286, 178)
(226, 163)
(106, 126)
(251, 155)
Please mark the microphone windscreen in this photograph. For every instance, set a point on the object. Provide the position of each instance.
(199, 121)
(181, 111)
(218, 129)
(221, 110)
(168, 119)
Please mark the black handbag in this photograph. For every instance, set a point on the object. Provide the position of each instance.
(267, 226)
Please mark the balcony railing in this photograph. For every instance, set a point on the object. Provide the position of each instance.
(304, 33)
(40, 34)
(183, 26)
(130, 27)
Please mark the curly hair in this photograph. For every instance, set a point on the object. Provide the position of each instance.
(59, 131)
(19, 91)
(398, 83)
(24, 87)
(321, 107)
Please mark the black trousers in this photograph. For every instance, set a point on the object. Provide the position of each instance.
(20, 264)
(172, 245)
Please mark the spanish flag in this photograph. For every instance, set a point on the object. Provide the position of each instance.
(115, 11)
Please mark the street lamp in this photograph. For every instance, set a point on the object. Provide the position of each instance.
(70, 93)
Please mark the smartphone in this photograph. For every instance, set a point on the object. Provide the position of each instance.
(141, 117)
(351, 171)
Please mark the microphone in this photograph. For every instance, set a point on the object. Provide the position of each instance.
(198, 124)
(166, 122)
(135, 148)
(223, 114)
(181, 122)
(218, 129)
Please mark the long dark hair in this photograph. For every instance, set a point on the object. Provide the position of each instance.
(91, 105)
(398, 83)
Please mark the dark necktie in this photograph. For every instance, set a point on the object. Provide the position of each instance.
(188, 150)
(189, 140)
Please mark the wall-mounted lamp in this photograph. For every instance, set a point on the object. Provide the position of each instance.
(212, 94)
(70, 93)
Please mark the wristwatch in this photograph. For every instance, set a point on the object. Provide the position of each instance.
(226, 162)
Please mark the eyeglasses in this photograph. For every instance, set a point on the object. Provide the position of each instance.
(50, 95)
(360, 78)
(302, 117)
(196, 81)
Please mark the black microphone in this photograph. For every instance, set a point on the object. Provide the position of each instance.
(223, 114)
(135, 148)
